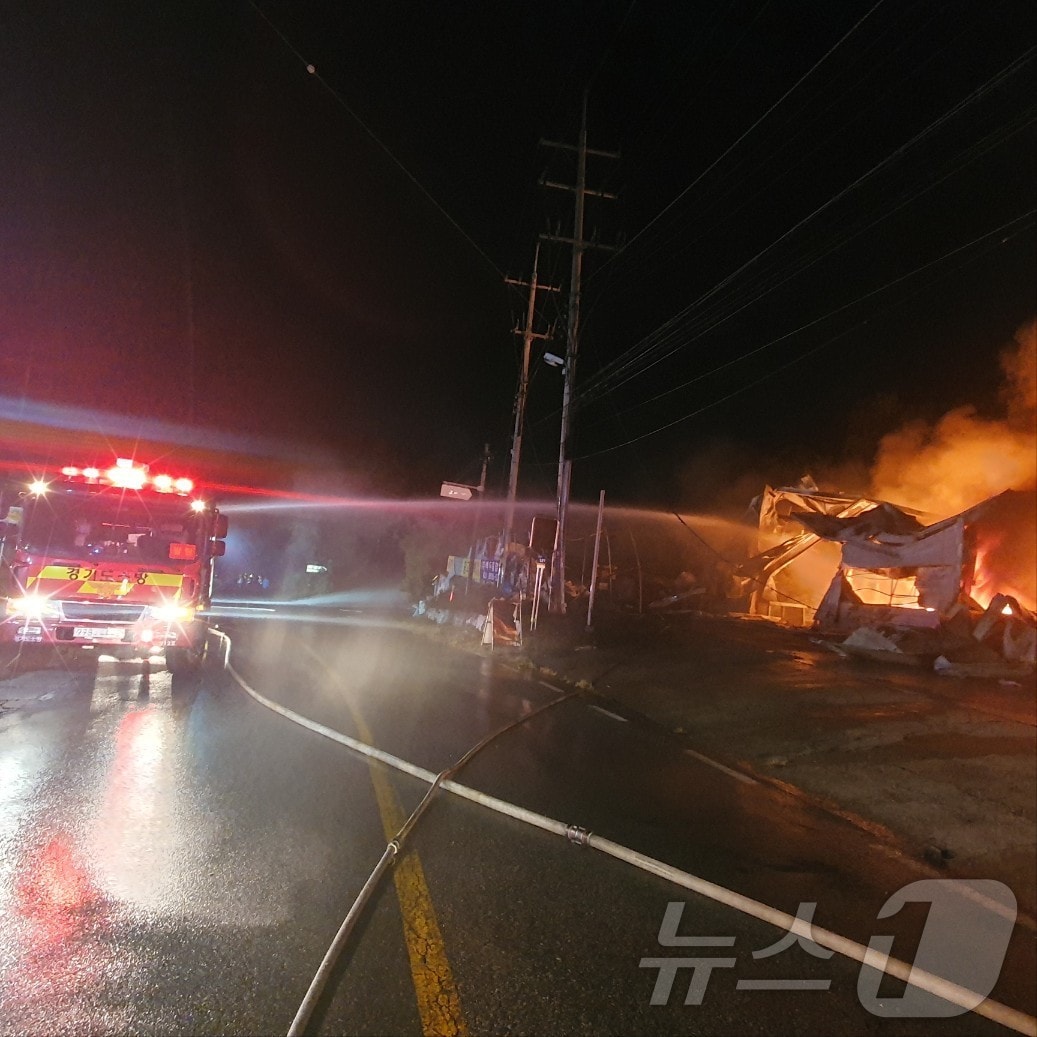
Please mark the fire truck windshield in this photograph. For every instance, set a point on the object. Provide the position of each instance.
(109, 526)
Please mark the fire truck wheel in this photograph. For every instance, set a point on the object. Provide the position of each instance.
(183, 660)
(31, 657)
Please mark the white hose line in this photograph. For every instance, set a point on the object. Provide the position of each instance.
(395, 845)
(967, 999)
(1008, 1017)
(320, 978)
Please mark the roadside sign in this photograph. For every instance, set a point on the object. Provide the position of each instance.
(456, 491)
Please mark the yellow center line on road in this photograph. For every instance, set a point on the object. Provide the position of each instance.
(439, 1003)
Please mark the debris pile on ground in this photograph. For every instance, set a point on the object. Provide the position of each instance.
(1000, 642)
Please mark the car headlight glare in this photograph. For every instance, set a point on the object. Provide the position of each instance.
(171, 613)
(32, 606)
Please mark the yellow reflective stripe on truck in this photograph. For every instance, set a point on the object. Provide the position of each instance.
(123, 584)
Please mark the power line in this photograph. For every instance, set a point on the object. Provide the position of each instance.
(730, 185)
(817, 64)
(340, 100)
(646, 354)
(781, 338)
(1027, 216)
(709, 322)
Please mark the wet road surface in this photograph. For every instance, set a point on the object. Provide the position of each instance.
(175, 859)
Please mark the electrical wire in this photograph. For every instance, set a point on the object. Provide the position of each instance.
(732, 183)
(792, 89)
(646, 124)
(1015, 67)
(342, 103)
(716, 369)
(803, 356)
(641, 357)
(1024, 220)
(611, 46)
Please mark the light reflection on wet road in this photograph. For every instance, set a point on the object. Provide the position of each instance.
(155, 870)
(176, 860)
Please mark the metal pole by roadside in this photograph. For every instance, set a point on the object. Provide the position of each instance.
(594, 563)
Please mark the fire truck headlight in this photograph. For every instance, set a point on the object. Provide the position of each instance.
(32, 606)
(171, 613)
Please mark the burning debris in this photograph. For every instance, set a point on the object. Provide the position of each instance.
(958, 593)
(935, 577)
(794, 566)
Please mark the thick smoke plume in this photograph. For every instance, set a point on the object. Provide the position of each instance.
(964, 458)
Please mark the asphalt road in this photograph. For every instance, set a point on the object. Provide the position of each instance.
(176, 858)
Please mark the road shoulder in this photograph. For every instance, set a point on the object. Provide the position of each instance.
(942, 769)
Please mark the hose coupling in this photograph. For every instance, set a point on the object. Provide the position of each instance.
(578, 835)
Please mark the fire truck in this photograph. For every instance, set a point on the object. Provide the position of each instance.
(115, 560)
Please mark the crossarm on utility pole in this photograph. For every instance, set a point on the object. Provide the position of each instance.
(579, 246)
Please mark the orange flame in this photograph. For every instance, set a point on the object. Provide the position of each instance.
(963, 459)
(1006, 564)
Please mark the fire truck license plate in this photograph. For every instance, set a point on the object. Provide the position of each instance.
(106, 633)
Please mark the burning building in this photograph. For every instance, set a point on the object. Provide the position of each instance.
(793, 569)
(888, 569)
(843, 563)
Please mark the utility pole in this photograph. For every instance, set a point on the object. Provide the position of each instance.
(480, 489)
(579, 246)
(528, 335)
(485, 465)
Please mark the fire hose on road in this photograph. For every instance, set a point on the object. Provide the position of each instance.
(966, 999)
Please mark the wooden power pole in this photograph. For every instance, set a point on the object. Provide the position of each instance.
(579, 246)
(528, 335)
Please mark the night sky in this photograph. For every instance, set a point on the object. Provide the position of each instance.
(826, 213)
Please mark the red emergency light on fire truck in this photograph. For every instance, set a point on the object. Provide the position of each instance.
(115, 559)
